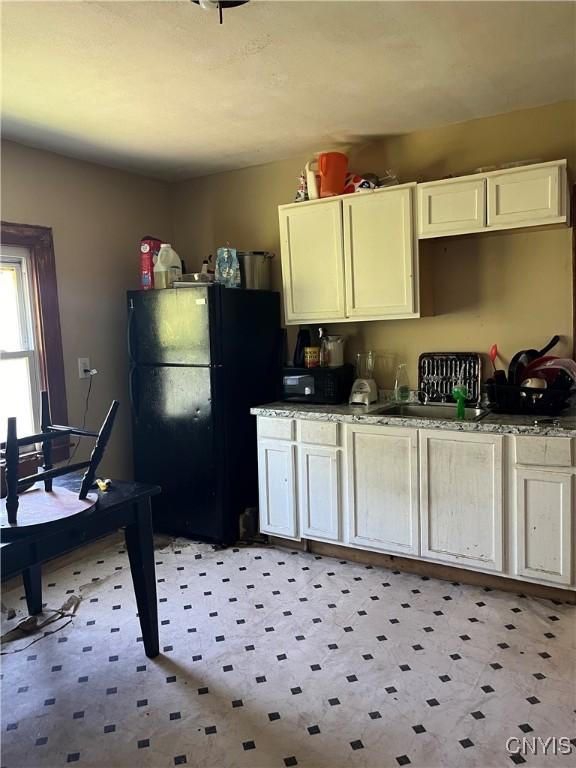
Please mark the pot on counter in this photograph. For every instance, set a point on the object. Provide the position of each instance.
(521, 360)
(255, 269)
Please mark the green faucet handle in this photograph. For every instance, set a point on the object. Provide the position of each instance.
(460, 393)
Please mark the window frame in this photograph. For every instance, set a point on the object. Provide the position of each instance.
(27, 313)
(47, 332)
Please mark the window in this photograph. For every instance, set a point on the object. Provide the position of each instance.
(30, 341)
(19, 369)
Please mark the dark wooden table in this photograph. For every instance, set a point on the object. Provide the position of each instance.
(126, 505)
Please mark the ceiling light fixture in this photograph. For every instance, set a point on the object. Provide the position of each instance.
(212, 5)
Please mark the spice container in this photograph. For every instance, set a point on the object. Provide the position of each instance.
(311, 357)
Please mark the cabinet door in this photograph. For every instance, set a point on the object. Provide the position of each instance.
(544, 525)
(451, 207)
(379, 252)
(526, 197)
(276, 480)
(319, 492)
(383, 488)
(312, 261)
(461, 498)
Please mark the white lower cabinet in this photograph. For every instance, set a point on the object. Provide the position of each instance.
(319, 492)
(439, 495)
(383, 488)
(544, 501)
(277, 482)
(461, 491)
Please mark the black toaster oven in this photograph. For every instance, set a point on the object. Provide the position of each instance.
(328, 386)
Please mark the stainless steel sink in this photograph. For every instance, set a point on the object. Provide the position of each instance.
(429, 411)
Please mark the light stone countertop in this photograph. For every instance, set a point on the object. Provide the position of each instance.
(493, 423)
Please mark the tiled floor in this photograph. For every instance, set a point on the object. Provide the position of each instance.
(277, 658)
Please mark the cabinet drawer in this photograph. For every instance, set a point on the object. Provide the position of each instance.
(544, 451)
(319, 432)
(278, 429)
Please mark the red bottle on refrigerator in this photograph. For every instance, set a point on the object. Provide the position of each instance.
(149, 247)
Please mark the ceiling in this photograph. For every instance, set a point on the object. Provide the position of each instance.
(161, 89)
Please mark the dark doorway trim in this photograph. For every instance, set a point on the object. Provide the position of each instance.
(40, 244)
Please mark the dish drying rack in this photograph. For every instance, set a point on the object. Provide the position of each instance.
(440, 372)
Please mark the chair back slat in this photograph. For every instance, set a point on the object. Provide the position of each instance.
(12, 455)
(99, 448)
(50, 474)
(51, 432)
(72, 431)
(40, 437)
(45, 421)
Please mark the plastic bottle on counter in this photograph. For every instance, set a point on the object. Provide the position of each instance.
(401, 385)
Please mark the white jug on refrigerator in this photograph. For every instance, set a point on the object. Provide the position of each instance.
(167, 267)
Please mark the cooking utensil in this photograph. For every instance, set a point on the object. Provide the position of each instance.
(559, 364)
(533, 353)
(535, 383)
(537, 364)
(563, 382)
(493, 354)
(524, 357)
(499, 375)
(517, 366)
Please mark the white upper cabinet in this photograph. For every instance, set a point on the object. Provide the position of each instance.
(461, 493)
(527, 196)
(451, 206)
(350, 258)
(312, 261)
(380, 254)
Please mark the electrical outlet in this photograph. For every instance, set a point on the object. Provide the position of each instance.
(83, 367)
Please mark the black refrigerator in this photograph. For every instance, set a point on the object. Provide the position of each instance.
(200, 358)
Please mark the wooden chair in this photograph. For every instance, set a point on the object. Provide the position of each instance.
(56, 504)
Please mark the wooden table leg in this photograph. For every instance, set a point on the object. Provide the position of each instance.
(140, 546)
(32, 578)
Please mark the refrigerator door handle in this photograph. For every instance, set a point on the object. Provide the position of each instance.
(134, 404)
(131, 312)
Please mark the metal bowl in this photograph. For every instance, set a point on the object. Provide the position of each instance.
(197, 277)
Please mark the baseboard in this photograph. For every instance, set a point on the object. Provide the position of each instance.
(424, 568)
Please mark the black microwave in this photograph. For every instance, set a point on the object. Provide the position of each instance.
(327, 386)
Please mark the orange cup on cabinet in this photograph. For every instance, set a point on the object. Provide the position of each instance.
(333, 167)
